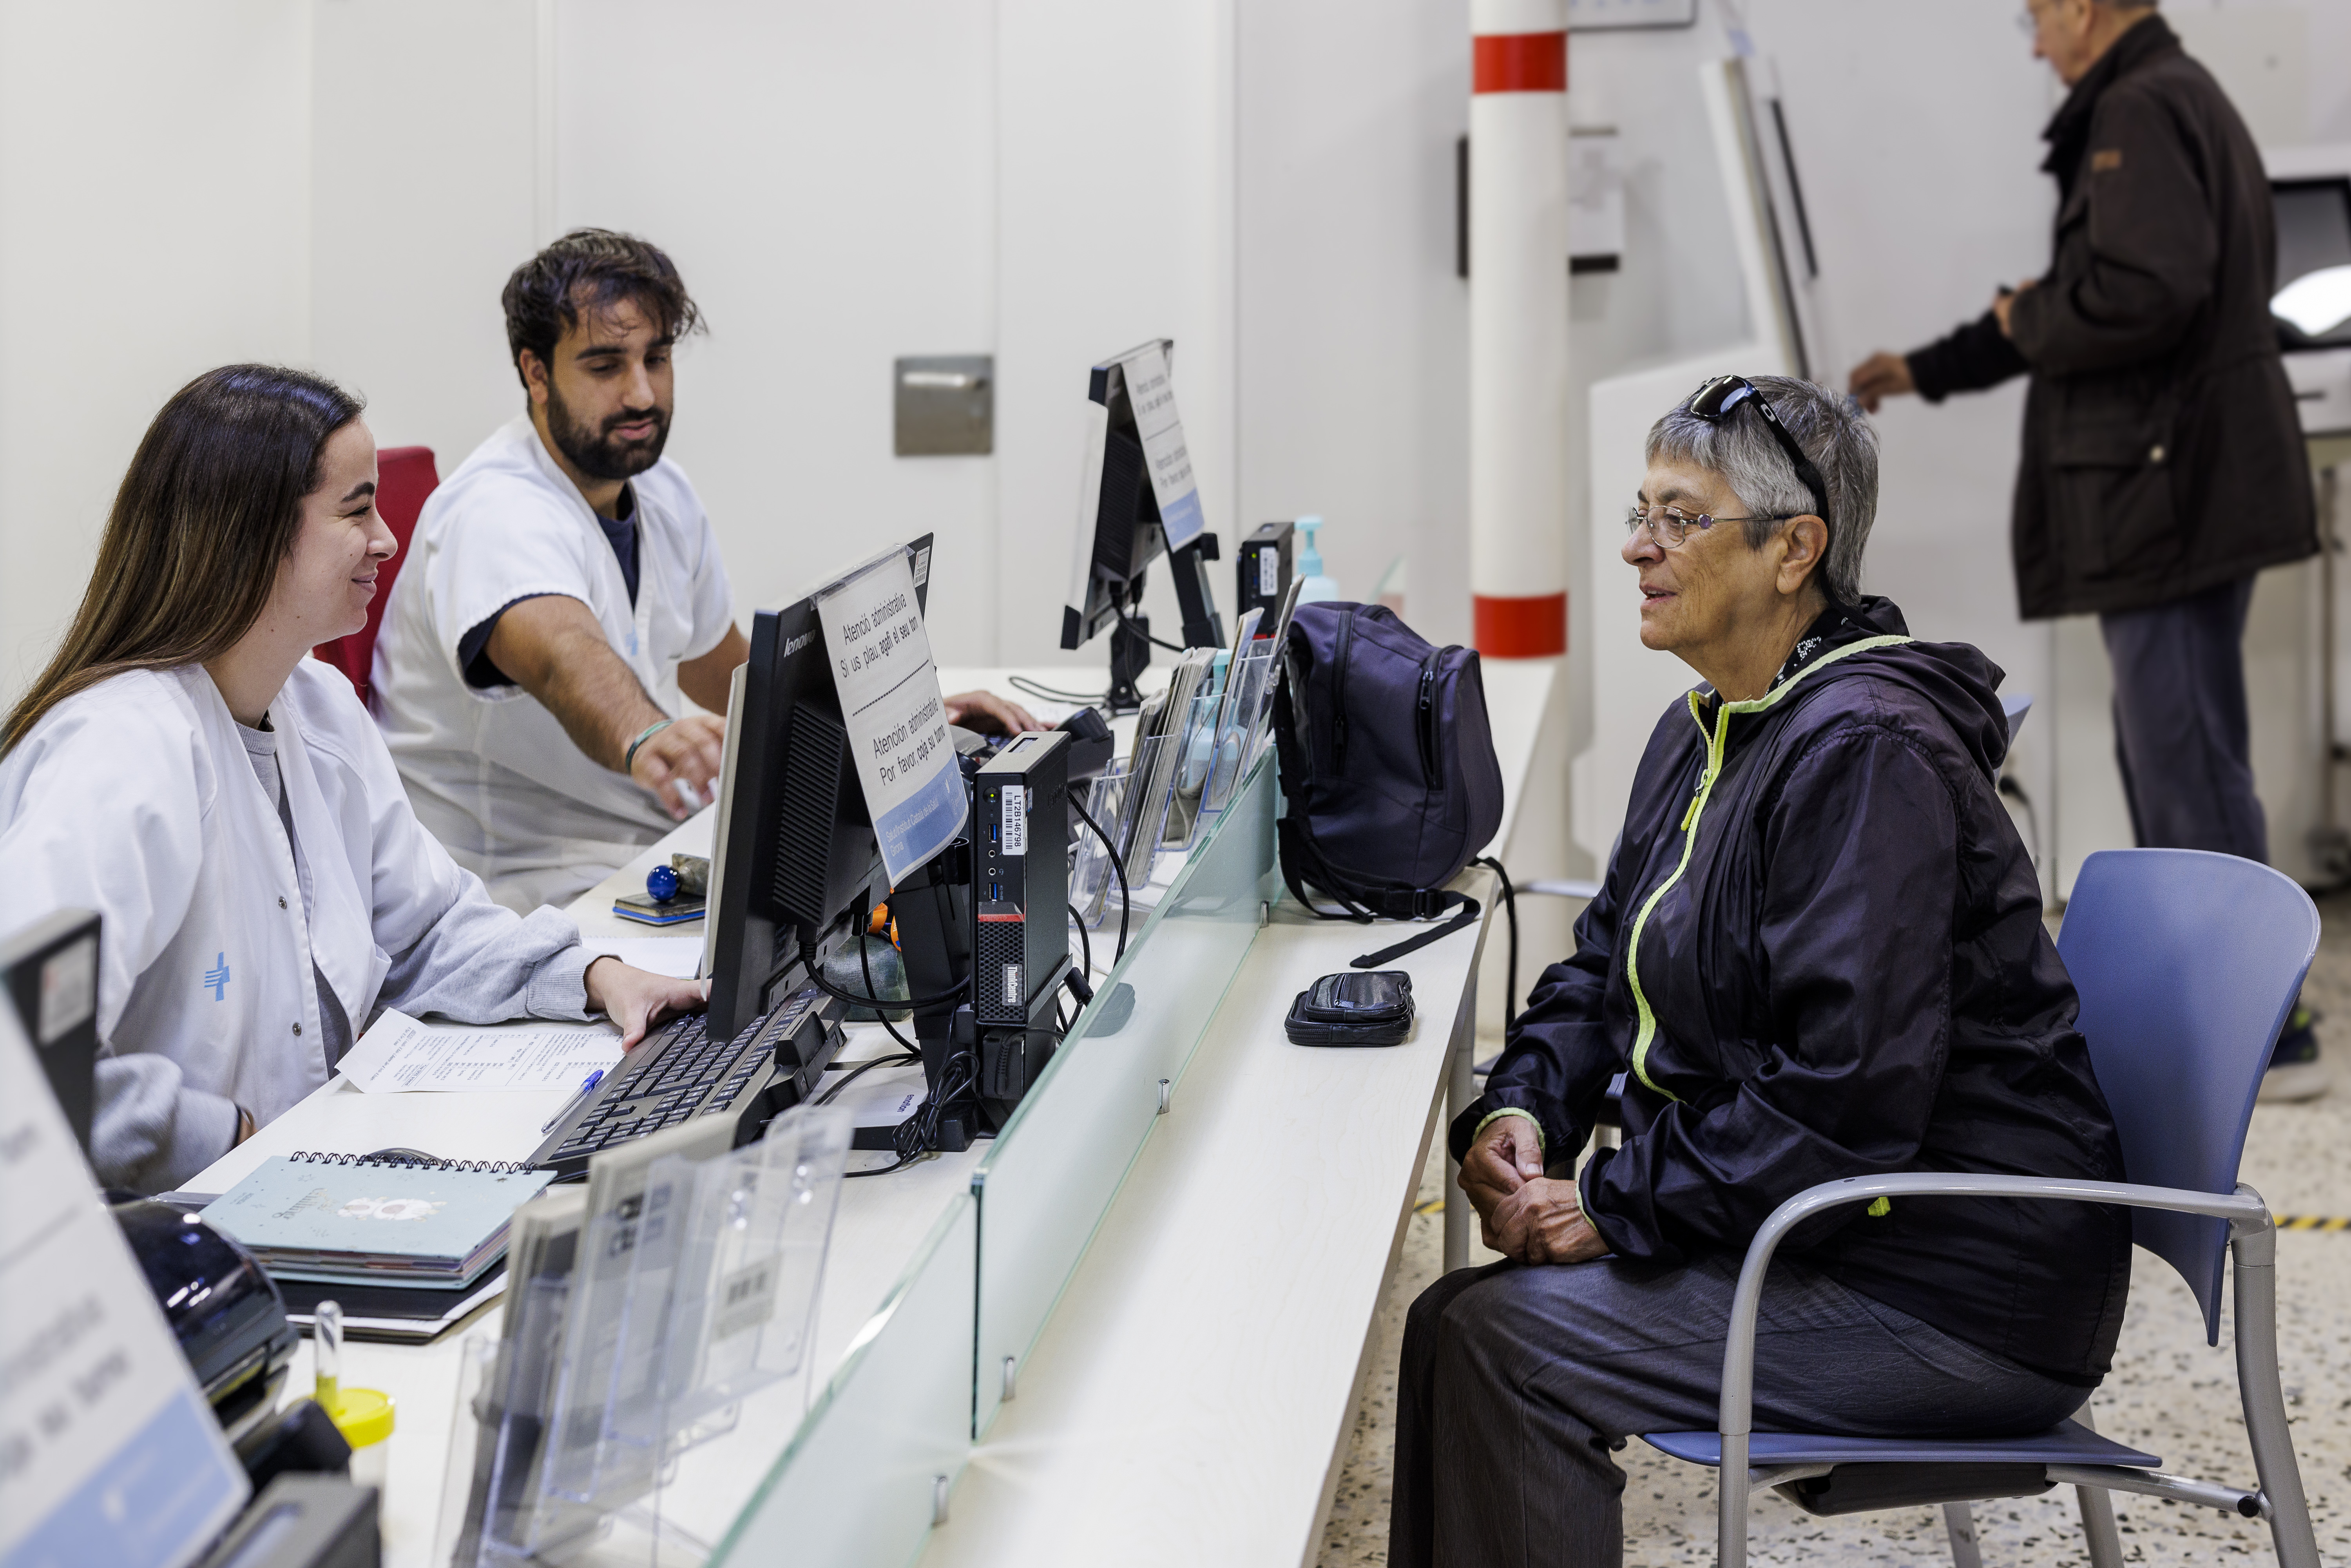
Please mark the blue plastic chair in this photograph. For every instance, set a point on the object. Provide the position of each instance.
(2186, 963)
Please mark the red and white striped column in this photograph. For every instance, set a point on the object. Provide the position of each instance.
(1518, 328)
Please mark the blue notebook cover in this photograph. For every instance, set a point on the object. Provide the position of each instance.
(333, 1219)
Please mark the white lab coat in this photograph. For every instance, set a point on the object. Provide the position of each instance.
(136, 798)
(490, 771)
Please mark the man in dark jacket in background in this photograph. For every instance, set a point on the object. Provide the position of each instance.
(2163, 466)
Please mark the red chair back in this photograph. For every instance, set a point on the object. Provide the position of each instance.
(404, 477)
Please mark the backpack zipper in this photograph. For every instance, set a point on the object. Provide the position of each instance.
(1339, 690)
(1428, 761)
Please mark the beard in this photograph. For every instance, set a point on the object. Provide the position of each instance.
(595, 451)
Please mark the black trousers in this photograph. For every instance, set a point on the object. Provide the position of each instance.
(1517, 1382)
(2182, 735)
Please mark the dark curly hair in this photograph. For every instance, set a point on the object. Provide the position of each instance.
(589, 269)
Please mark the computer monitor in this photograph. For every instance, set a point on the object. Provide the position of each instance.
(1120, 528)
(796, 859)
(2310, 189)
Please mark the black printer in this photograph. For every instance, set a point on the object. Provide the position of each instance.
(223, 1307)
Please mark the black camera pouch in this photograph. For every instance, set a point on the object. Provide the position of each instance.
(1352, 1008)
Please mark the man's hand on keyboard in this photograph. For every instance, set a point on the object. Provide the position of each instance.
(637, 1000)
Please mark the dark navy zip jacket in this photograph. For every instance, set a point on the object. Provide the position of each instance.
(1819, 953)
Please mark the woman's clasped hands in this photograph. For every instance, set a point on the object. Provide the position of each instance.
(1523, 1214)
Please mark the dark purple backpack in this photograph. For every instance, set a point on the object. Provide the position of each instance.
(1387, 770)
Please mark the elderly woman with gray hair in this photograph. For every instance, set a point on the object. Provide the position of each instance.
(1817, 953)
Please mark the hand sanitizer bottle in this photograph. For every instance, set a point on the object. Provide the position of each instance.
(1313, 585)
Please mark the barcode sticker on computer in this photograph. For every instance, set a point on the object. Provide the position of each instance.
(1016, 821)
(1269, 572)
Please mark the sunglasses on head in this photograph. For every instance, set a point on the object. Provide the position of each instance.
(1717, 398)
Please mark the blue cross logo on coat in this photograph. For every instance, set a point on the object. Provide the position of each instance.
(217, 976)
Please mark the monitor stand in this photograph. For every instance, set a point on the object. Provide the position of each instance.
(1130, 656)
(1203, 627)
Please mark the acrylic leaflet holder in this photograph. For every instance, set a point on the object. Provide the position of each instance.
(1129, 801)
(678, 1305)
(1245, 714)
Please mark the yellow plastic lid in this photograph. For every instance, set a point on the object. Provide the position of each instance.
(364, 1416)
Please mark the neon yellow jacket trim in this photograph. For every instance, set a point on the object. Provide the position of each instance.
(1716, 741)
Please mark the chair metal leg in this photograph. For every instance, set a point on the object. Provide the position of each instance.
(2098, 1527)
(1959, 1521)
(2255, 1248)
(1730, 1503)
(2097, 1507)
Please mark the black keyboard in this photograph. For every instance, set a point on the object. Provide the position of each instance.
(684, 1071)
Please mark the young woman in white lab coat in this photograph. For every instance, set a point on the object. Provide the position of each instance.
(227, 804)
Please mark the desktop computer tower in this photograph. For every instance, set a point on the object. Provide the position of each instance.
(1263, 572)
(1020, 895)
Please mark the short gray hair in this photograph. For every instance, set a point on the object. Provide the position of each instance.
(1834, 434)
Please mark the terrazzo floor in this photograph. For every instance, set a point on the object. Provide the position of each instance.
(2169, 1394)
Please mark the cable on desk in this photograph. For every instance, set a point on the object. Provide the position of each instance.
(1085, 942)
(1054, 694)
(827, 1097)
(1125, 898)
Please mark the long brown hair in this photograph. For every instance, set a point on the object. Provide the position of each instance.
(208, 508)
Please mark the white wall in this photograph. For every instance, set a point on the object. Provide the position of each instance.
(424, 118)
(154, 222)
(822, 176)
(1114, 158)
(1353, 326)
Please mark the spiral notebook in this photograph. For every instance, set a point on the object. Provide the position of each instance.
(348, 1220)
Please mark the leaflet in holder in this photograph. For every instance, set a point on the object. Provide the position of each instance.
(892, 709)
(642, 1314)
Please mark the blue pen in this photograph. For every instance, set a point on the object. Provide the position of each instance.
(573, 1103)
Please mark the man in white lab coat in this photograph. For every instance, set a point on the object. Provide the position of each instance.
(565, 595)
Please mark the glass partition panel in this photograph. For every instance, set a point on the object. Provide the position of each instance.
(1059, 1161)
(857, 1486)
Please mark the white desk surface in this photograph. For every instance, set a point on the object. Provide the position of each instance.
(1212, 1339)
(1188, 1397)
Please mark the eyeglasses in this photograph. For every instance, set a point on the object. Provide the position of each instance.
(1670, 526)
(1716, 400)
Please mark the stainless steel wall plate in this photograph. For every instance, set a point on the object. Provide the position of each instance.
(945, 405)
